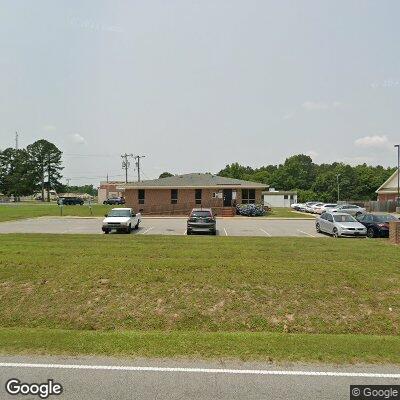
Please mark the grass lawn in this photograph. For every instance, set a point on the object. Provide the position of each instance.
(283, 212)
(9, 212)
(280, 298)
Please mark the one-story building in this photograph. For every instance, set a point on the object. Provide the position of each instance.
(180, 193)
(277, 198)
(388, 190)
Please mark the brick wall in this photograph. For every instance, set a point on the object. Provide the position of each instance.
(158, 201)
(387, 196)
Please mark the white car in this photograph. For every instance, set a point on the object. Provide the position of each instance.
(326, 207)
(351, 209)
(314, 208)
(308, 206)
(121, 220)
(339, 224)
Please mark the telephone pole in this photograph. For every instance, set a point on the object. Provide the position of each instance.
(126, 164)
(137, 163)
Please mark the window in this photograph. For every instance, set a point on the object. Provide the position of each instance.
(141, 196)
(174, 196)
(285, 196)
(329, 218)
(197, 196)
(248, 196)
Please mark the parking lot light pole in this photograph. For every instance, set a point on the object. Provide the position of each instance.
(338, 188)
(398, 175)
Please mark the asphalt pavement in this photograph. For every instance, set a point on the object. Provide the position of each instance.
(237, 226)
(94, 378)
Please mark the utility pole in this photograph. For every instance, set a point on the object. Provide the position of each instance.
(137, 163)
(398, 175)
(48, 178)
(68, 180)
(338, 188)
(126, 164)
(16, 140)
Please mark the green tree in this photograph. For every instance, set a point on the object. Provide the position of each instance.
(165, 175)
(46, 159)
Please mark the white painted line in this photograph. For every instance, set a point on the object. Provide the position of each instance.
(262, 230)
(147, 230)
(202, 370)
(305, 233)
(226, 233)
(185, 232)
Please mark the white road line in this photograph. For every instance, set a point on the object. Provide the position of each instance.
(305, 233)
(226, 233)
(202, 370)
(262, 230)
(147, 230)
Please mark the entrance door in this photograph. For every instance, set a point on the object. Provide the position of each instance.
(227, 197)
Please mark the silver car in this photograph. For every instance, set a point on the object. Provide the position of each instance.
(339, 224)
(351, 209)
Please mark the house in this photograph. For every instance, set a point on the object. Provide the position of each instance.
(388, 190)
(276, 198)
(180, 193)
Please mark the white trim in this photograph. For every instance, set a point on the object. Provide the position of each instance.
(387, 180)
(202, 370)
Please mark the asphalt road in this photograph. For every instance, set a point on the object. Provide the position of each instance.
(167, 226)
(93, 378)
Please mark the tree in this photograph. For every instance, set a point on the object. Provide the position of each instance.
(165, 175)
(16, 178)
(46, 158)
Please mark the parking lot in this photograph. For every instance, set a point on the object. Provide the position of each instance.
(166, 226)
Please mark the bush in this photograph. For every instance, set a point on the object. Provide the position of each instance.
(250, 210)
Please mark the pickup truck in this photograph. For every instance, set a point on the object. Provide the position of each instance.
(121, 220)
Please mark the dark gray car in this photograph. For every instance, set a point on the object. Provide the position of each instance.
(201, 220)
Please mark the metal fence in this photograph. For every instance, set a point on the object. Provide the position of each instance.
(383, 206)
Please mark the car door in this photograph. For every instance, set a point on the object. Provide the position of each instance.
(322, 222)
(329, 224)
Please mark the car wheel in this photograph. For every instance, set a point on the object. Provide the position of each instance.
(106, 232)
(137, 225)
(129, 229)
(370, 232)
(335, 233)
(318, 228)
(188, 233)
(214, 232)
(104, 202)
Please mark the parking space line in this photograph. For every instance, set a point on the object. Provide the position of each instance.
(226, 233)
(305, 233)
(185, 232)
(267, 233)
(147, 230)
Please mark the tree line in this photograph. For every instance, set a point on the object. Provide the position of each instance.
(28, 170)
(315, 181)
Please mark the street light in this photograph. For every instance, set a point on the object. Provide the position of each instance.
(338, 189)
(398, 174)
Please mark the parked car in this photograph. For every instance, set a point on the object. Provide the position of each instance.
(113, 201)
(202, 220)
(351, 209)
(70, 201)
(308, 205)
(297, 206)
(325, 207)
(377, 224)
(339, 224)
(121, 220)
(314, 208)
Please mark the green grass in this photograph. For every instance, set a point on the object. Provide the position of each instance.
(283, 212)
(221, 290)
(21, 211)
(216, 345)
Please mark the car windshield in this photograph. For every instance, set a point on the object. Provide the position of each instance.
(385, 218)
(330, 205)
(201, 214)
(119, 213)
(343, 218)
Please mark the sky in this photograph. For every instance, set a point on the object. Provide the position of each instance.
(195, 85)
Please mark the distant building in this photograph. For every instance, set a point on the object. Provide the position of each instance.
(276, 198)
(388, 190)
(180, 193)
(108, 190)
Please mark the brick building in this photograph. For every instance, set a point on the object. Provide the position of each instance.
(388, 190)
(180, 193)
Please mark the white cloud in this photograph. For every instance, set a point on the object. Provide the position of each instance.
(375, 141)
(312, 153)
(78, 139)
(319, 105)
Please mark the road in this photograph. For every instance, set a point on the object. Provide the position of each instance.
(94, 378)
(167, 226)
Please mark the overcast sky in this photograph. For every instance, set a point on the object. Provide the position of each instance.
(194, 85)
